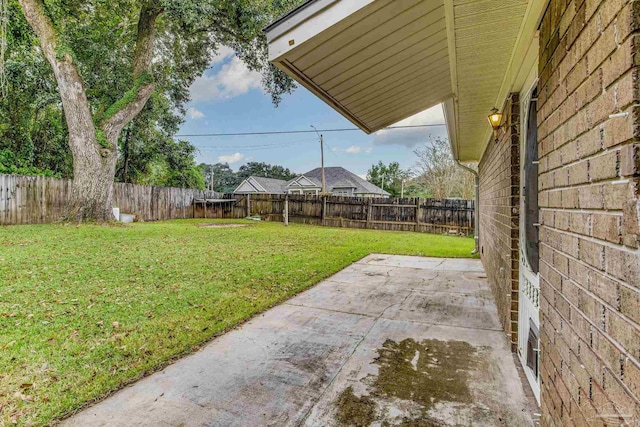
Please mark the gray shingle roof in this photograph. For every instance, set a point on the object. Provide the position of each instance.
(338, 177)
(317, 182)
(273, 186)
(270, 185)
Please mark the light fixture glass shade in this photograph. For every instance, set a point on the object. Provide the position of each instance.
(495, 118)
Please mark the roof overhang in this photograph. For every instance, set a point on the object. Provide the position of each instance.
(380, 61)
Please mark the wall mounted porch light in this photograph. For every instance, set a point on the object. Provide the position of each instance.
(495, 118)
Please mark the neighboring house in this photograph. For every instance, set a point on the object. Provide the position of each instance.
(559, 175)
(261, 185)
(338, 181)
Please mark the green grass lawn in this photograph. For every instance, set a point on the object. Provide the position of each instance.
(85, 310)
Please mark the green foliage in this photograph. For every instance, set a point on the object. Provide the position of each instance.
(32, 124)
(183, 171)
(129, 96)
(100, 36)
(224, 179)
(176, 167)
(102, 139)
(389, 177)
(62, 51)
(170, 287)
(265, 170)
(12, 166)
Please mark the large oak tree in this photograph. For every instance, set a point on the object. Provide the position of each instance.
(91, 45)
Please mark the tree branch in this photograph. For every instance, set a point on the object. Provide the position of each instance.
(70, 84)
(145, 38)
(129, 106)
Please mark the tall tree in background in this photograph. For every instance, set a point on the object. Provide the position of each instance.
(103, 55)
(388, 177)
(264, 170)
(220, 177)
(438, 175)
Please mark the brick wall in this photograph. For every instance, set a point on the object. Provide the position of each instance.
(499, 171)
(589, 238)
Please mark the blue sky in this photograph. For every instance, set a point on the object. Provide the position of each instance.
(228, 98)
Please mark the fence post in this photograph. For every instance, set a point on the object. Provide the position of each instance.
(418, 214)
(369, 206)
(324, 209)
(248, 205)
(286, 210)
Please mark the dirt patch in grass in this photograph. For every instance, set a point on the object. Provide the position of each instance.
(422, 374)
(355, 411)
(222, 225)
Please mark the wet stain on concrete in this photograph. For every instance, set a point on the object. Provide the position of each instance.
(422, 422)
(424, 373)
(427, 372)
(355, 411)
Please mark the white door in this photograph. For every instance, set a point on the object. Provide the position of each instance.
(529, 291)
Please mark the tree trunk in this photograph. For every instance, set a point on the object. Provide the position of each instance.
(94, 148)
(92, 190)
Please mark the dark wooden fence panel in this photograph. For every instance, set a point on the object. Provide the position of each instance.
(37, 200)
(409, 214)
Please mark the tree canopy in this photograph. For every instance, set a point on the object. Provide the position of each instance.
(133, 61)
(388, 177)
(265, 170)
(437, 175)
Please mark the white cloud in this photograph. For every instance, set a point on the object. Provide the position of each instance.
(233, 79)
(194, 113)
(231, 158)
(222, 53)
(354, 149)
(412, 137)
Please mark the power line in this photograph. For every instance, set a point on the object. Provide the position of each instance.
(278, 144)
(302, 131)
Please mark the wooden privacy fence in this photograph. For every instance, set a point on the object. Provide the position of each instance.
(36, 200)
(409, 214)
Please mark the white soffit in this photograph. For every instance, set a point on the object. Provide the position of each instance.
(374, 61)
(486, 32)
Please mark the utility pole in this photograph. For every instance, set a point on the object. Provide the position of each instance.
(324, 189)
(402, 190)
(383, 177)
(211, 178)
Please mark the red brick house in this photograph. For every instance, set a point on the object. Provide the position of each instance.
(559, 178)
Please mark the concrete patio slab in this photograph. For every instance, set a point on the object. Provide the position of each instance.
(387, 341)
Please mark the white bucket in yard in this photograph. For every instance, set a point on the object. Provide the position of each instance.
(126, 218)
(116, 213)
